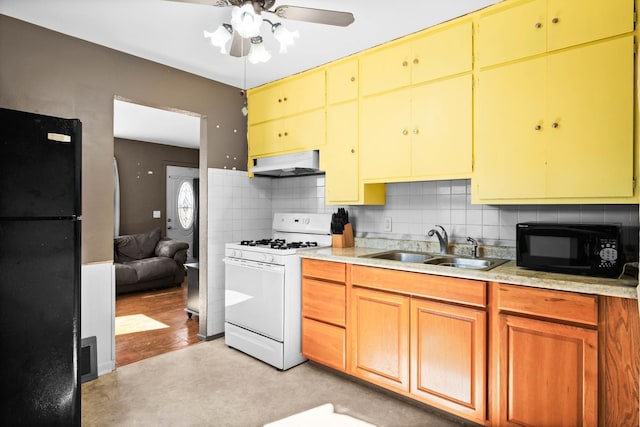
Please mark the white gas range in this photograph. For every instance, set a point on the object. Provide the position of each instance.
(263, 288)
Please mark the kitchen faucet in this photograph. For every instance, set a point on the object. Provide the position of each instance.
(474, 247)
(442, 237)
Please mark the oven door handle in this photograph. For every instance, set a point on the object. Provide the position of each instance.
(253, 265)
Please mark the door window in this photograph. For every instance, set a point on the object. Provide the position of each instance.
(185, 205)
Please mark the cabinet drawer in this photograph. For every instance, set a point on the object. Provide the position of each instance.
(323, 301)
(327, 270)
(567, 306)
(324, 343)
(464, 291)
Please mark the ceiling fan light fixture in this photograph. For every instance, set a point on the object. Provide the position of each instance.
(258, 53)
(283, 36)
(220, 37)
(245, 20)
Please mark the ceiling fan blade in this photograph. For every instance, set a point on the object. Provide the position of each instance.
(239, 46)
(219, 3)
(318, 16)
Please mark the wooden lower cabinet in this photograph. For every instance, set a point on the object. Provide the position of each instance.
(545, 357)
(324, 313)
(380, 337)
(548, 373)
(448, 357)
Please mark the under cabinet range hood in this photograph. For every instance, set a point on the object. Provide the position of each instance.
(296, 164)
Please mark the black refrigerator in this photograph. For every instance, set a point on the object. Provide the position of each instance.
(40, 166)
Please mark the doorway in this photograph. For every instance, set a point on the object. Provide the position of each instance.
(182, 207)
(157, 318)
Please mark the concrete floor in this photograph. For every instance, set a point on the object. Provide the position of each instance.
(210, 384)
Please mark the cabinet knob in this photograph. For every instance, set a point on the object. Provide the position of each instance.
(405, 63)
(538, 25)
(555, 125)
(416, 61)
(279, 135)
(285, 99)
(538, 127)
(405, 132)
(416, 131)
(279, 99)
(286, 134)
(555, 20)
(353, 150)
(353, 79)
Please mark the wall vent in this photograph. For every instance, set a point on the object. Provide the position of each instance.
(88, 359)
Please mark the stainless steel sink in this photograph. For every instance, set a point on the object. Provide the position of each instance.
(402, 256)
(439, 259)
(464, 262)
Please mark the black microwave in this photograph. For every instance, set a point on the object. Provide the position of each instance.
(585, 249)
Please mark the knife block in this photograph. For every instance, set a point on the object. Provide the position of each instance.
(344, 240)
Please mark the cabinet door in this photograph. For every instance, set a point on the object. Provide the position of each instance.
(385, 135)
(304, 131)
(380, 337)
(548, 374)
(570, 23)
(441, 141)
(448, 357)
(442, 53)
(509, 131)
(303, 93)
(265, 138)
(342, 81)
(590, 120)
(385, 69)
(515, 31)
(264, 104)
(341, 161)
(324, 343)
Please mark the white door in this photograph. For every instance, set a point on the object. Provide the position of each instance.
(181, 205)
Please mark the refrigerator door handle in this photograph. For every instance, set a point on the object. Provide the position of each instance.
(58, 137)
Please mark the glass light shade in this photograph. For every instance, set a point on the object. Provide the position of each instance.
(245, 20)
(220, 37)
(258, 53)
(284, 36)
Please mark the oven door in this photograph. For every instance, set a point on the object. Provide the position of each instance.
(254, 297)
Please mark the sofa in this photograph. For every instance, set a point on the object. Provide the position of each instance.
(148, 261)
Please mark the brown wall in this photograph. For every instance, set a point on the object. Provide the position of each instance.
(49, 73)
(140, 192)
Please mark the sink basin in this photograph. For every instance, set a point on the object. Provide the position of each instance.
(402, 256)
(464, 262)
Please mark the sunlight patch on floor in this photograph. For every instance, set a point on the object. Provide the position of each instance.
(136, 323)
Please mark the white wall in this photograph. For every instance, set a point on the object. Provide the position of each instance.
(98, 311)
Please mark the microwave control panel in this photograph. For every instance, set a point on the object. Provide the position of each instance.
(608, 253)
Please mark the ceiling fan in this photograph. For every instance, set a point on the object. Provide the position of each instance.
(250, 12)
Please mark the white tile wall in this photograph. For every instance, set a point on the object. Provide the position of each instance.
(416, 207)
(239, 208)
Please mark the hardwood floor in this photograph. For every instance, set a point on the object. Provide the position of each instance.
(153, 322)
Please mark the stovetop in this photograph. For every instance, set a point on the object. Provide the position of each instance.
(280, 244)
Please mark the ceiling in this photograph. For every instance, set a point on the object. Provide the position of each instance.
(171, 33)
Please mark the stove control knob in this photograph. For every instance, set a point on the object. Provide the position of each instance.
(237, 254)
(268, 258)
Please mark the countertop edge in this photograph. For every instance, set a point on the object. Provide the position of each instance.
(506, 273)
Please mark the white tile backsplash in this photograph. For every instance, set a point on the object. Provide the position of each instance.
(417, 206)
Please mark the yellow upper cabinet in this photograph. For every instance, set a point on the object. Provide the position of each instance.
(293, 133)
(342, 81)
(557, 128)
(293, 95)
(518, 29)
(431, 54)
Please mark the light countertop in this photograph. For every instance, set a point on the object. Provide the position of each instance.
(505, 273)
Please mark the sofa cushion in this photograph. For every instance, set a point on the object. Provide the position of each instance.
(125, 274)
(169, 247)
(153, 268)
(137, 246)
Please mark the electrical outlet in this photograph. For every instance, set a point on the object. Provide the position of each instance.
(387, 224)
(156, 214)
